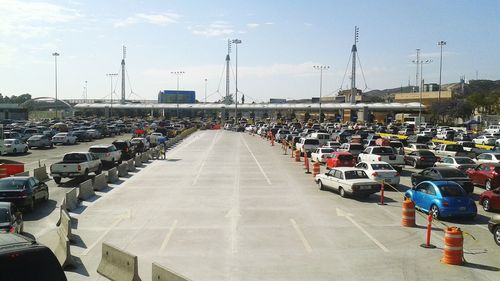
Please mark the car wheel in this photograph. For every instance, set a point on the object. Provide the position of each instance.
(486, 204)
(415, 165)
(99, 170)
(51, 145)
(496, 235)
(434, 211)
(14, 151)
(57, 180)
(26, 150)
(321, 186)
(487, 185)
(46, 197)
(30, 147)
(31, 206)
(86, 173)
(342, 192)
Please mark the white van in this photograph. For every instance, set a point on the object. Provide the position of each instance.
(493, 129)
(322, 137)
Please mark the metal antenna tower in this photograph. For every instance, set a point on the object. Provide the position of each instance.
(417, 82)
(122, 101)
(353, 76)
(228, 59)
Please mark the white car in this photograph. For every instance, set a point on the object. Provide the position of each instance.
(13, 146)
(64, 138)
(348, 181)
(141, 143)
(380, 171)
(108, 153)
(488, 158)
(461, 163)
(484, 140)
(321, 154)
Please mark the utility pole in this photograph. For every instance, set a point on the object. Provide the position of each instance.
(178, 74)
(420, 63)
(85, 92)
(205, 104)
(236, 42)
(55, 61)
(320, 68)
(417, 82)
(440, 44)
(122, 101)
(110, 75)
(354, 50)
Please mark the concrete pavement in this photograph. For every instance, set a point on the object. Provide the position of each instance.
(228, 206)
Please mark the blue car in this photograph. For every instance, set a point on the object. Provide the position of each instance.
(442, 199)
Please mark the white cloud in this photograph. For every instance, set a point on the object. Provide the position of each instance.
(253, 25)
(216, 29)
(156, 19)
(32, 19)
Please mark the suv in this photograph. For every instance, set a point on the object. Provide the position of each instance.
(11, 219)
(126, 147)
(24, 259)
(107, 153)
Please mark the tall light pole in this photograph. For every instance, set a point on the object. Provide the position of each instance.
(440, 44)
(110, 75)
(55, 54)
(236, 42)
(178, 74)
(320, 68)
(421, 63)
(205, 104)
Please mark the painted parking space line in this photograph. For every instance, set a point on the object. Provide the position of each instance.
(301, 235)
(167, 237)
(256, 161)
(210, 148)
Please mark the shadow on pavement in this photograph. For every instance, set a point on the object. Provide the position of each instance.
(42, 210)
(79, 268)
(480, 266)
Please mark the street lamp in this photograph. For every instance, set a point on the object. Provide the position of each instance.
(205, 104)
(55, 54)
(236, 42)
(110, 75)
(421, 63)
(320, 68)
(440, 44)
(178, 74)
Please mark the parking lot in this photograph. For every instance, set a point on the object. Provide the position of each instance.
(229, 206)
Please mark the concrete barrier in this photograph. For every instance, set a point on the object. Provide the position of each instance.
(64, 228)
(112, 175)
(144, 157)
(71, 201)
(23, 174)
(161, 273)
(62, 251)
(41, 174)
(131, 165)
(137, 161)
(118, 265)
(100, 181)
(86, 190)
(122, 170)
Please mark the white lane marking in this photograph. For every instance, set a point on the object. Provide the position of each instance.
(256, 161)
(98, 240)
(198, 174)
(482, 226)
(341, 213)
(167, 238)
(299, 232)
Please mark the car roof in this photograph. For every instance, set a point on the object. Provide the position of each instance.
(342, 152)
(343, 169)
(376, 162)
(5, 204)
(16, 178)
(101, 146)
(442, 182)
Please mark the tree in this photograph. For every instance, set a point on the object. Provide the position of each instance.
(307, 116)
(265, 115)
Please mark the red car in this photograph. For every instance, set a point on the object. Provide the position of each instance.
(486, 174)
(340, 159)
(490, 200)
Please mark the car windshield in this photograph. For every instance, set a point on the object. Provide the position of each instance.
(326, 150)
(382, 167)
(12, 184)
(98, 150)
(352, 175)
(4, 215)
(356, 147)
(452, 190)
(497, 156)
(426, 153)
(312, 141)
(383, 150)
(454, 147)
(9, 141)
(75, 157)
(464, 161)
(345, 157)
(452, 174)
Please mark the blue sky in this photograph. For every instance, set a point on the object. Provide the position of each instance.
(281, 41)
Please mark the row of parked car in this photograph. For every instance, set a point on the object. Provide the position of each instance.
(359, 163)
